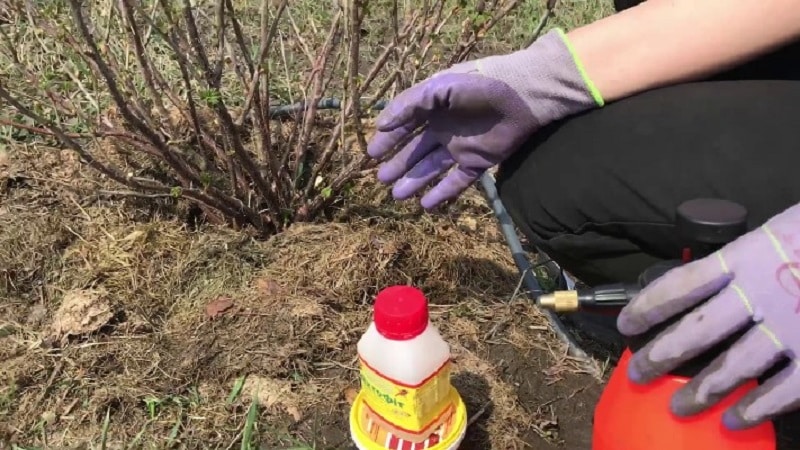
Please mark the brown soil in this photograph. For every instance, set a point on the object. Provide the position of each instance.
(122, 323)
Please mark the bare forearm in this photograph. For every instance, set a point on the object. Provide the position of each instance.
(662, 42)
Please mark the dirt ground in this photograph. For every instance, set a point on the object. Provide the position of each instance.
(123, 325)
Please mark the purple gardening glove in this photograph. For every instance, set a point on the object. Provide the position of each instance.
(753, 282)
(476, 114)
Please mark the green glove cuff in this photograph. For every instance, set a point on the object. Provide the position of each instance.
(593, 91)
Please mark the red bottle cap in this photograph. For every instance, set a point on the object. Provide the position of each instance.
(400, 313)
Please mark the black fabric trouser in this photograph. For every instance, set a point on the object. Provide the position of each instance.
(598, 192)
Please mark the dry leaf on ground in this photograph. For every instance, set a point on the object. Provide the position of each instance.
(469, 223)
(267, 286)
(350, 395)
(218, 306)
(272, 392)
(306, 308)
(81, 312)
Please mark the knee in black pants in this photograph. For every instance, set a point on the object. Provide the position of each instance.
(598, 192)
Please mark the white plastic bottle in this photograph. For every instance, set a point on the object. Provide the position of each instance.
(406, 400)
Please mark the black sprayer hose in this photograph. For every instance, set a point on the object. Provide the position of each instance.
(532, 286)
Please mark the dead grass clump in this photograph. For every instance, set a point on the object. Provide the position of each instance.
(149, 267)
(30, 245)
(299, 303)
(145, 271)
(348, 263)
(483, 387)
(31, 239)
(168, 333)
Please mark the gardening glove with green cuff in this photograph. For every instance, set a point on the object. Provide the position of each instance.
(752, 286)
(475, 115)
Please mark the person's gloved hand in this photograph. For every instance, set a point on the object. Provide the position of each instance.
(476, 114)
(753, 282)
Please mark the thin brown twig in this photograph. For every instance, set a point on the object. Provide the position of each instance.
(317, 77)
(220, 14)
(261, 183)
(183, 172)
(267, 36)
(208, 147)
(105, 193)
(477, 34)
(353, 82)
(478, 414)
(146, 69)
(548, 13)
(380, 61)
(263, 123)
(46, 132)
(197, 44)
(333, 142)
(244, 49)
(299, 36)
(231, 130)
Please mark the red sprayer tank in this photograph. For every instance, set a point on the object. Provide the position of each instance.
(638, 417)
(633, 417)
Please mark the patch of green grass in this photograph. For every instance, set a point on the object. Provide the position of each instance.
(7, 395)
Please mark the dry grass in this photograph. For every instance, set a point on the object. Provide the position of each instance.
(161, 364)
(125, 323)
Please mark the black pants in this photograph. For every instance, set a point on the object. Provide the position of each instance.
(598, 192)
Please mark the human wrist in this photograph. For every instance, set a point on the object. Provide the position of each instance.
(590, 86)
(666, 42)
(547, 75)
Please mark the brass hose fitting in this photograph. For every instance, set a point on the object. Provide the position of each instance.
(560, 301)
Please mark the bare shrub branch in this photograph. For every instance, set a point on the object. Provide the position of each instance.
(192, 91)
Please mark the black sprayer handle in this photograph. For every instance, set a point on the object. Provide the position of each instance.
(707, 224)
(615, 295)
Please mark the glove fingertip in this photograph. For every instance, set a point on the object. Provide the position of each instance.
(430, 203)
(385, 174)
(733, 421)
(386, 122)
(635, 375)
(401, 110)
(375, 151)
(683, 403)
(404, 189)
(640, 371)
(382, 143)
(442, 192)
(629, 325)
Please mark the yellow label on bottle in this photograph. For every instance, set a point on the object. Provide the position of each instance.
(413, 409)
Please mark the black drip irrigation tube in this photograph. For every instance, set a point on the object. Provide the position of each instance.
(281, 111)
(507, 227)
(532, 285)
